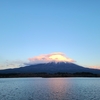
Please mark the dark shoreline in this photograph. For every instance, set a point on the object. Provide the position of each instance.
(49, 75)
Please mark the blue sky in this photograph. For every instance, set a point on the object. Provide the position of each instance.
(32, 27)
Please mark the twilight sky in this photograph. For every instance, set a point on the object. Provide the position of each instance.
(29, 28)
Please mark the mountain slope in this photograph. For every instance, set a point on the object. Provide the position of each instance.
(51, 68)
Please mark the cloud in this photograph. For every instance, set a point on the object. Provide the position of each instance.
(94, 67)
(12, 64)
(1, 66)
(52, 57)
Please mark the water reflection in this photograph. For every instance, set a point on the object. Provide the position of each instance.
(58, 88)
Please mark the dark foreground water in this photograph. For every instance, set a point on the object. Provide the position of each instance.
(50, 89)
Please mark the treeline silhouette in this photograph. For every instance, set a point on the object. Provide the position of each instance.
(59, 74)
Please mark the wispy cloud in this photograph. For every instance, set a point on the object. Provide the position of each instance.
(12, 64)
(94, 67)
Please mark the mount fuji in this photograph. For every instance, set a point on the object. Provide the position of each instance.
(51, 67)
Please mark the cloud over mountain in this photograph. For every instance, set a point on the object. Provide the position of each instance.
(52, 57)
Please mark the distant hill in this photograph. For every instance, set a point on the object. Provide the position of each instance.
(51, 67)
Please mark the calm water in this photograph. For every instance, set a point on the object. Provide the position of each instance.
(50, 89)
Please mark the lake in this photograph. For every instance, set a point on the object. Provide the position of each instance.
(50, 89)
